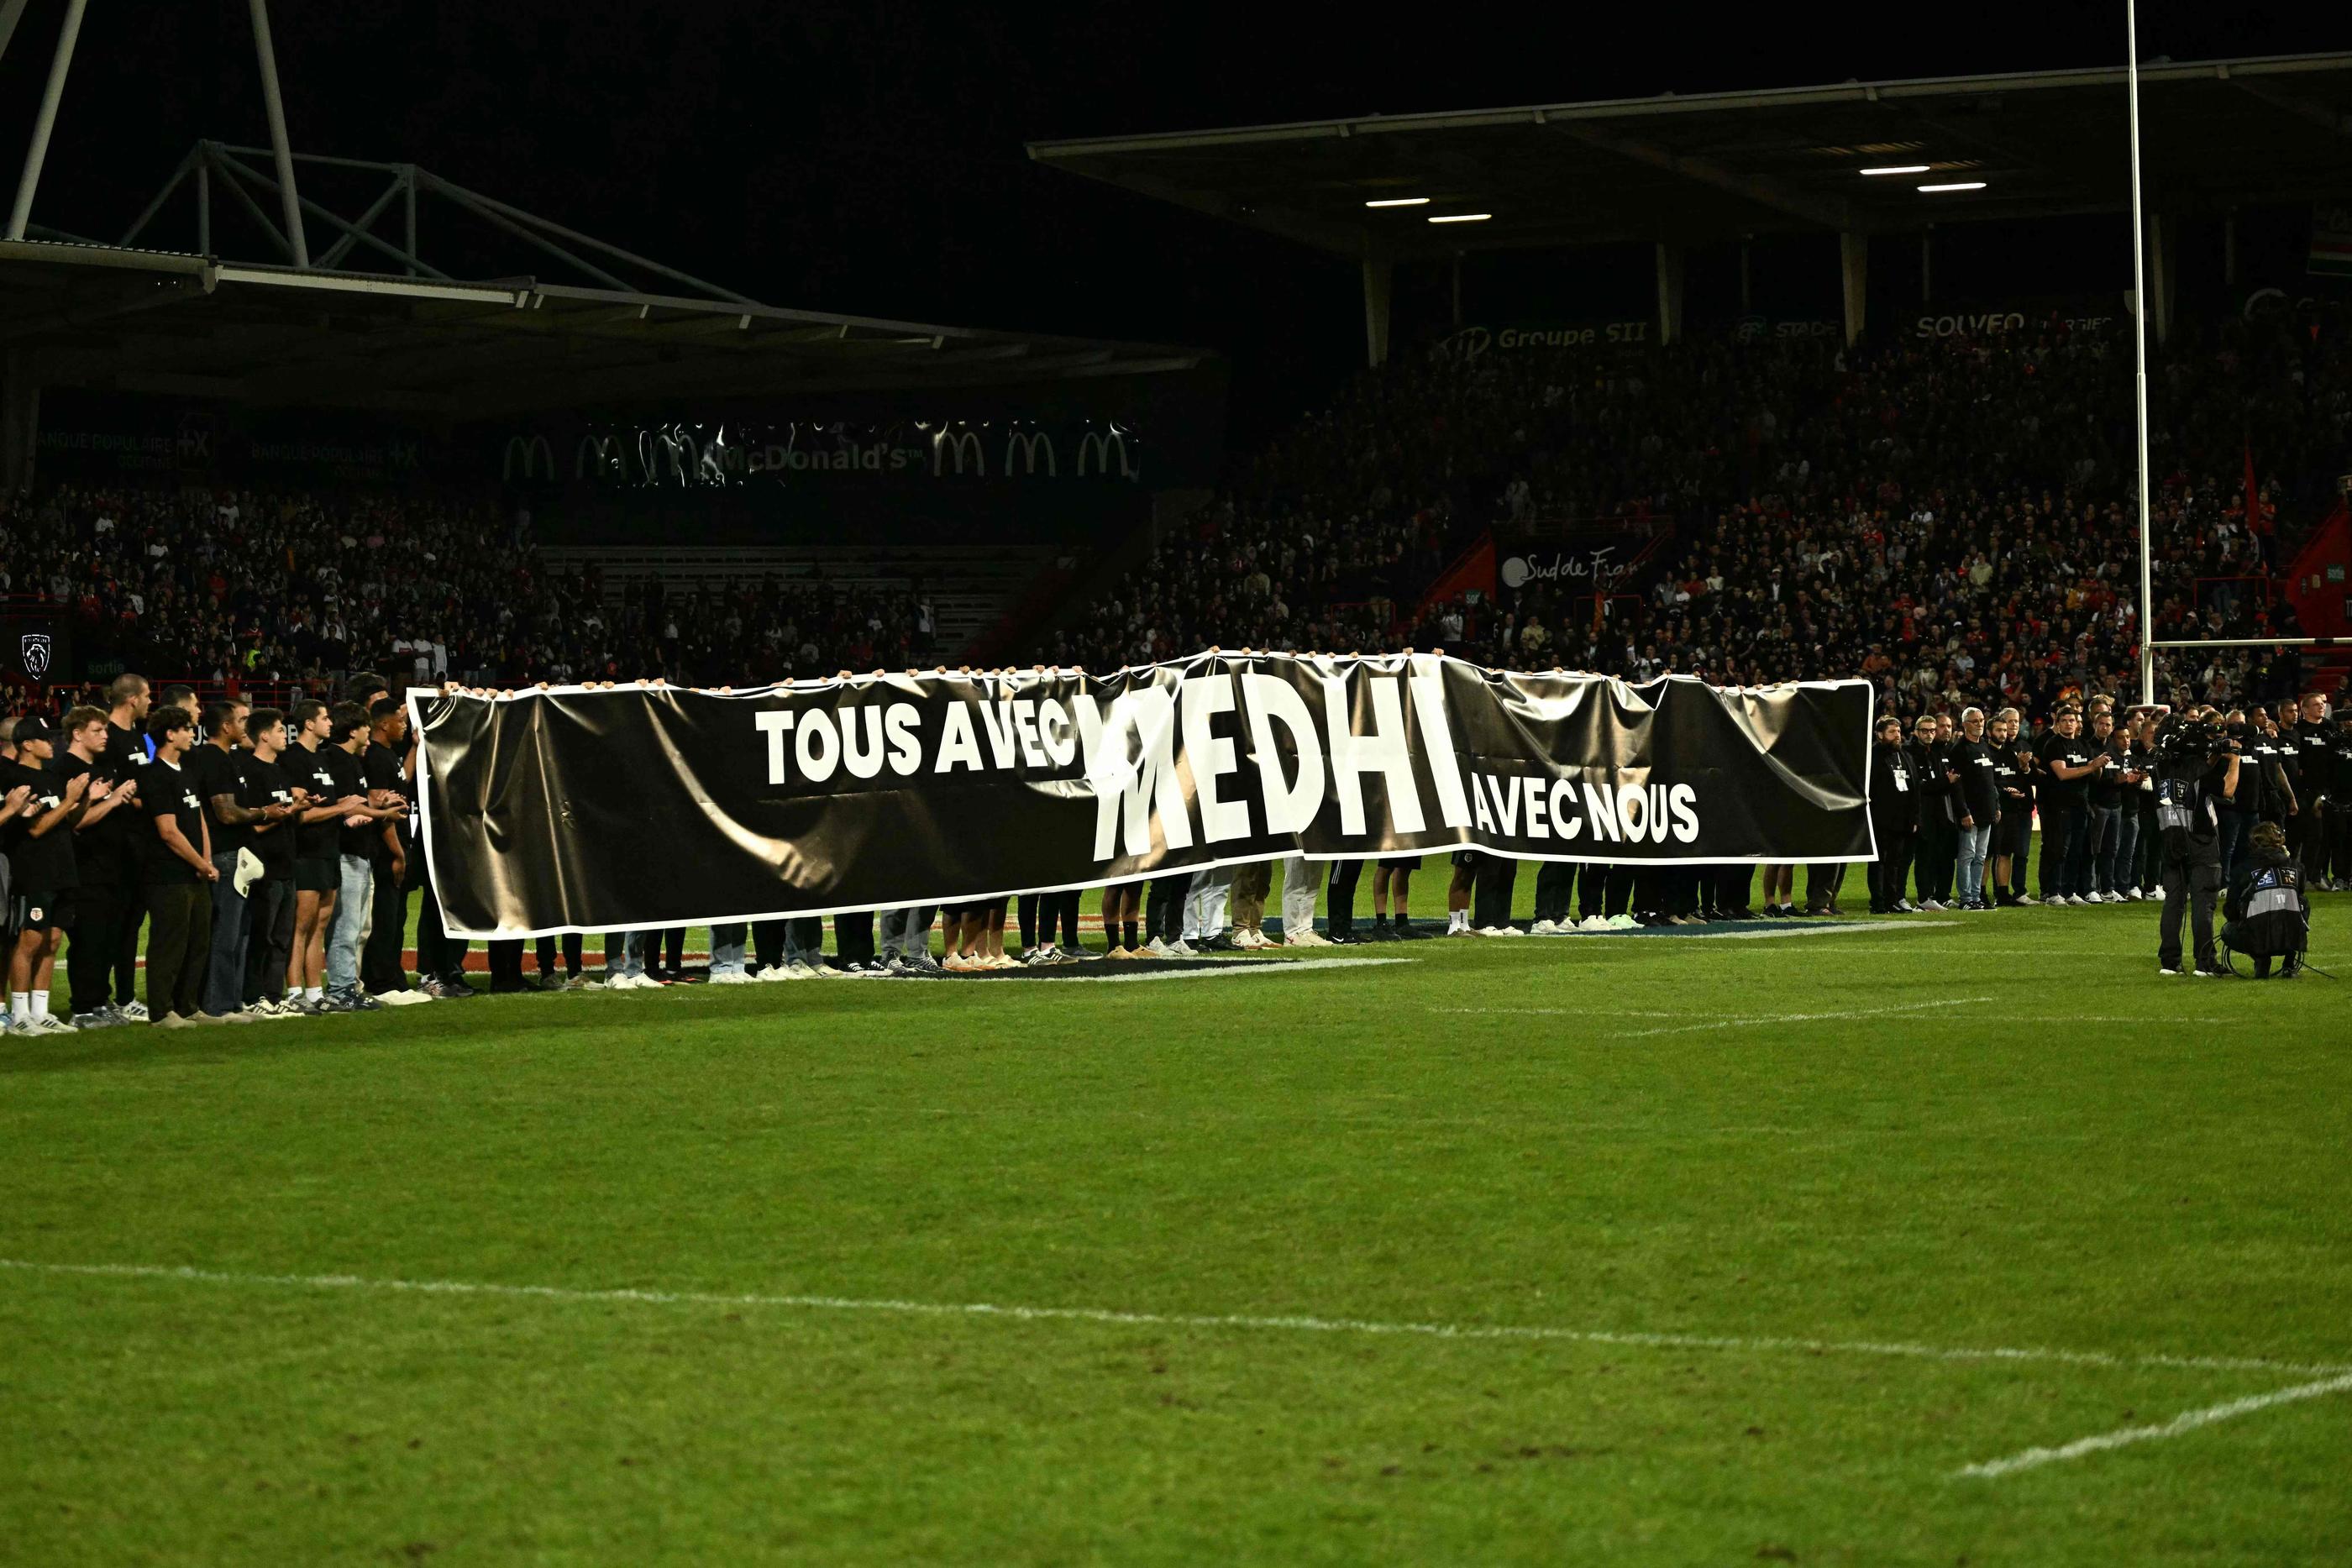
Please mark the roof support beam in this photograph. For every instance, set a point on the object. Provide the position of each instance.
(2319, 114)
(45, 120)
(1764, 192)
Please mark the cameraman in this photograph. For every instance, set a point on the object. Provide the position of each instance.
(2196, 779)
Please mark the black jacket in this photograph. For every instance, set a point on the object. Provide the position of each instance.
(2266, 912)
(1894, 789)
(1934, 790)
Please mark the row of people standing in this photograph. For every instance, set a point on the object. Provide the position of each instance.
(262, 851)
(1954, 805)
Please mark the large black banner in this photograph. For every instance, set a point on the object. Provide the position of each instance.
(585, 810)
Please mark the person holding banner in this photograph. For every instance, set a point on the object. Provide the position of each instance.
(1393, 878)
(1251, 883)
(1301, 878)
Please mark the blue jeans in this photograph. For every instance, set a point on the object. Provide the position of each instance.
(906, 931)
(2236, 826)
(727, 950)
(1974, 842)
(232, 927)
(2098, 849)
(2122, 866)
(631, 947)
(353, 905)
(804, 942)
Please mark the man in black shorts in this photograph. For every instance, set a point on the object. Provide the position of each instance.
(318, 873)
(270, 899)
(1457, 893)
(42, 878)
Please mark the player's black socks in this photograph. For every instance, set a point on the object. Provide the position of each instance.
(1129, 930)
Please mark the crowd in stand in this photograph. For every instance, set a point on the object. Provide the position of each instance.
(1954, 518)
(242, 590)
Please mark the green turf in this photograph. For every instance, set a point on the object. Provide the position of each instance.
(1491, 1133)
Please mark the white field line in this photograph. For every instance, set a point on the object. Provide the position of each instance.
(1560, 1013)
(1224, 971)
(1296, 1324)
(1825, 928)
(2187, 1421)
(1760, 1018)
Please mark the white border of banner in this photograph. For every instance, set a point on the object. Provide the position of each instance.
(1386, 663)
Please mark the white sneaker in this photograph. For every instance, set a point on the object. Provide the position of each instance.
(49, 1023)
(2077, 900)
(772, 975)
(20, 1026)
(2102, 898)
(1305, 936)
(1502, 931)
(1623, 923)
(1157, 947)
(732, 978)
(1544, 928)
(136, 1012)
(2135, 894)
(1183, 949)
(2028, 900)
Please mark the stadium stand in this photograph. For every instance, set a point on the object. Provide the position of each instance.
(1953, 518)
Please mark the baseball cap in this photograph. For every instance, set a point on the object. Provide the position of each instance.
(34, 728)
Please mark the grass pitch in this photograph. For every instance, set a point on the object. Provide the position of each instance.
(1772, 1213)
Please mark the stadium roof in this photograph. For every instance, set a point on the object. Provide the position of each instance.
(1709, 166)
(113, 317)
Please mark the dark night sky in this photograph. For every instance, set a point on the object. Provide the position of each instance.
(868, 158)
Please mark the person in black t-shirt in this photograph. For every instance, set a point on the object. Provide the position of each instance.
(382, 968)
(2102, 796)
(114, 896)
(108, 809)
(179, 874)
(2066, 761)
(1976, 804)
(2288, 747)
(2012, 830)
(220, 766)
(361, 832)
(2326, 796)
(271, 899)
(1938, 838)
(42, 876)
(317, 855)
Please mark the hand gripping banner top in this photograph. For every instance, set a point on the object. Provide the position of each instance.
(581, 808)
